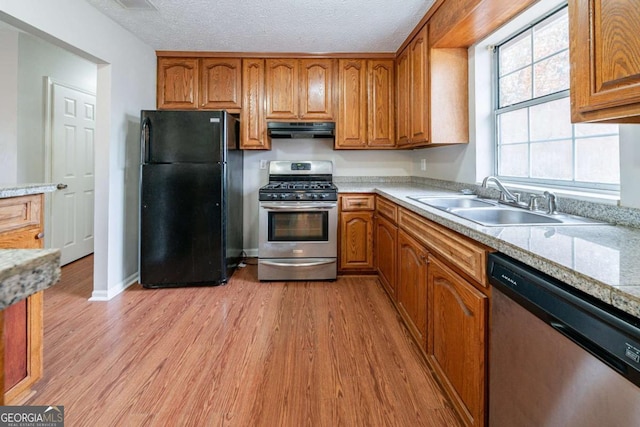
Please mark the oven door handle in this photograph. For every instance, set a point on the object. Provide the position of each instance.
(299, 207)
(302, 264)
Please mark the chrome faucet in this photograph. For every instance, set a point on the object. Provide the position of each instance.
(552, 206)
(505, 195)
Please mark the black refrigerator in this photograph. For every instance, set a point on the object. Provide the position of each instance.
(191, 198)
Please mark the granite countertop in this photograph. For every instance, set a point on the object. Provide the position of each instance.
(600, 260)
(15, 190)
(24, 272)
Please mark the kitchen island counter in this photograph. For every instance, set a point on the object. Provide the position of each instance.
(600, 260)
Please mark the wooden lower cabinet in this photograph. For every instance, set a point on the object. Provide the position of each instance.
(355, 233)
(411, 297)
(457, 320)
(386, 240)
(21, 228)
(356, 241)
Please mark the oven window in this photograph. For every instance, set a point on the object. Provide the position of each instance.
(298, 226)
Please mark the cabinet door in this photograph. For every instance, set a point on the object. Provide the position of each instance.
(458, 322)
(412, 287)
(352, 109)
(21, 228)
(177, 84)
(403, 94)
(282, 88)
(316, 89)
(419, 101)
(386, 241)
(605, 60)
(221, 82)
(252, 122)
(356, 241)
(380, 105)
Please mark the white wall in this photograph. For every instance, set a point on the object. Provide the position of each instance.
(126, 84)
(37, 59)
(345, 163)
(8, 106)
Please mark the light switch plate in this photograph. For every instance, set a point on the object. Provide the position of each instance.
(263, 164)
(423, 164)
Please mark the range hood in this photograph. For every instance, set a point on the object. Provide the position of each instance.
(301, 130)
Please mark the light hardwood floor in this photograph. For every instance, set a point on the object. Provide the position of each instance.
(244, 354)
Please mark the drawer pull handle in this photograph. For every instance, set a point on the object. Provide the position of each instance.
(40, 236)
(61, 186)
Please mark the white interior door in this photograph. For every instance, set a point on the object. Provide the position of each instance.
(72, 168)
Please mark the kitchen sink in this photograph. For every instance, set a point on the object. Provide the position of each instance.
(505, 216)
(492, 214)
(454, 202)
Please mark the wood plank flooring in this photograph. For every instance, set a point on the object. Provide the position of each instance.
(244, 354)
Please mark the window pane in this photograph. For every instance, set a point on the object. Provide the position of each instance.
(592, 129)
(597, 160)
(514, 160)
(515, 87)
(514, 126)
(551, 35)
(515, 54)
(552, 74)
(552, 160)
(551, 120)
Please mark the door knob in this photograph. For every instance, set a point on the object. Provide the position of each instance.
(61, 186)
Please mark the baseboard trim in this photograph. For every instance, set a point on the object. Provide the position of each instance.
(112, 292)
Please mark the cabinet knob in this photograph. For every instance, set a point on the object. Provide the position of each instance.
(40, 236)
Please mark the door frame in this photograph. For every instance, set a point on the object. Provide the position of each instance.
(49, 82)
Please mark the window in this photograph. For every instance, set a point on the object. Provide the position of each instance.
(536, 142)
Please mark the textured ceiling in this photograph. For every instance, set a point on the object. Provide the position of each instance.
(313, 26)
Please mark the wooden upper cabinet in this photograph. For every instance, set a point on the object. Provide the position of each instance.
(403, 85)
(419, 89)
(605, 60)
(282, 89)
(252, 123)
(316, 89)
(351, 128)
(221, 83)
(177, 83)
(366, 112)
(381, 111)
(300, 89)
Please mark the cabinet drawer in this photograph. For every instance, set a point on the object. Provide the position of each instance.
(357, 202)
(387, 209)
(18, 212)
(469, 257)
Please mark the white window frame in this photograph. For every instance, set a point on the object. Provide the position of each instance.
(587, 187)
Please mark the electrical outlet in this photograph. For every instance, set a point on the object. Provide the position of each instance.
(263, 164)
(423, 164)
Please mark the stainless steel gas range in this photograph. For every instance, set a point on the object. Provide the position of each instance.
(298, 222)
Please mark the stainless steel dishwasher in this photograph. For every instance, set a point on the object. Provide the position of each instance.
(558, 357)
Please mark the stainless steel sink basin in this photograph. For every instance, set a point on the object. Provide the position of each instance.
(492, 214)
(498, 216)
(454, 202)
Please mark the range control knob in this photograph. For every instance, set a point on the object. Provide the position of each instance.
(324, 196)
(299, 196)
(283, 196)
(314, 196)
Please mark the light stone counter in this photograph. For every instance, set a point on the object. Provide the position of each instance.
(15, 190)
(600, 260)
(24, 272)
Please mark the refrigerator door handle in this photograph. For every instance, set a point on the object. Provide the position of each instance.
(145, 133)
